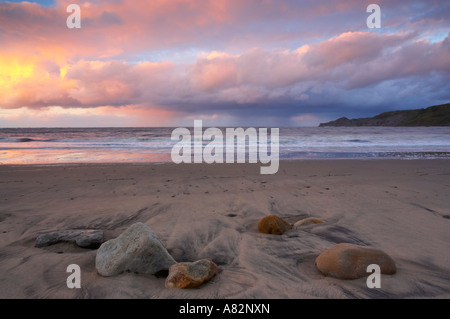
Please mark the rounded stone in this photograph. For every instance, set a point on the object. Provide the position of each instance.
(137, 250)
(348, 261)
(274, 225)
(191, 275)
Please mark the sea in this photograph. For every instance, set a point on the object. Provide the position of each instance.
(53, 146)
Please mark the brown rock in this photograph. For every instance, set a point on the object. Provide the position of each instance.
(347, 261)
(273, 225)
(191, 275)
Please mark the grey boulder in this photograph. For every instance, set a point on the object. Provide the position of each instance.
(136, 250)
(85, 238)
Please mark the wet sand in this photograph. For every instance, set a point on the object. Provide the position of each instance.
(211, 211)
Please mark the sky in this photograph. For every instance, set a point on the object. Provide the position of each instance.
(266, 63)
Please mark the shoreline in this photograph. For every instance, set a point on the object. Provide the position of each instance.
(211, 211)
(281, 160)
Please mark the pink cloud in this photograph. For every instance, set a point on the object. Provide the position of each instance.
(215, 73)
(419, 58)
(111, 28)
(352, 59)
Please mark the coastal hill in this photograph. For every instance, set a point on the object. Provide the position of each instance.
(438, 115)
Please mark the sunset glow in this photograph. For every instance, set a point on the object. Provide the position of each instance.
(13, 71)
(234, 62)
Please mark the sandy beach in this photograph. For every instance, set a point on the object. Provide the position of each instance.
(211, 211)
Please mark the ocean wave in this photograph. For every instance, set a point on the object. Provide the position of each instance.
(378, 142)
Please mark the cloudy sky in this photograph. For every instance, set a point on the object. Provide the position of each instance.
(229, 62)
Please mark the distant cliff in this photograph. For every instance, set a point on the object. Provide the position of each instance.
(438, 115)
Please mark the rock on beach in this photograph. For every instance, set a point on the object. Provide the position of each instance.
(137, 249)
(191, 274)
(273, 224)
(87, 238)
(348, 261)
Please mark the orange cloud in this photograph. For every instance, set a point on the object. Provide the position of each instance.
(29, 81)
